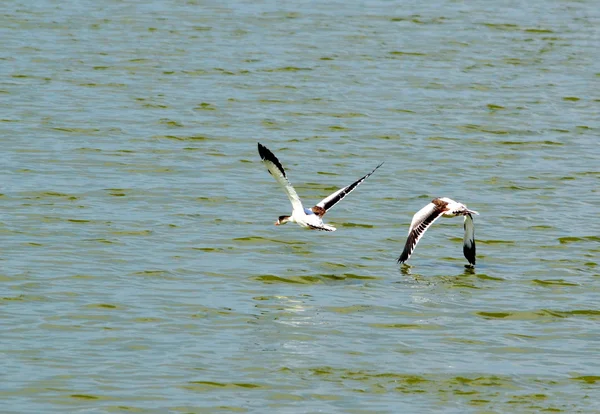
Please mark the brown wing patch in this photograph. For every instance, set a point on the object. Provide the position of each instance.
(439, 203)
(319, 211)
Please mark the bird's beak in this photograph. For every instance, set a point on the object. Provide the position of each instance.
(277, 223)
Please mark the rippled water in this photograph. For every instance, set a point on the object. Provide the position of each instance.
(140, 268)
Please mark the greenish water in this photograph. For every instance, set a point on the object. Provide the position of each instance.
(140, 270)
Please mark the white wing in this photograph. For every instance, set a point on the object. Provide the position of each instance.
(331, 200)
(469, 239)
(276, 170)
(421, 221)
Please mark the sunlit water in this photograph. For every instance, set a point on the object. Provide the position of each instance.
(140, 268)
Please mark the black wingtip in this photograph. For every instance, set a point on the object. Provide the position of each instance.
(406, 252)
(470, 253)
(267, 155)
(262, 150)
(375, 169)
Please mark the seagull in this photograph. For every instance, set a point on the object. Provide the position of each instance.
(431, 212)
(311, 218)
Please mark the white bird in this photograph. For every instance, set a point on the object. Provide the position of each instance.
(431, 212)
(305, 217)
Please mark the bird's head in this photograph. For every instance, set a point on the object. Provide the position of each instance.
(282, 220)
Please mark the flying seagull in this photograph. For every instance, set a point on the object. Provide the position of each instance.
(306, 217)
(431, 212)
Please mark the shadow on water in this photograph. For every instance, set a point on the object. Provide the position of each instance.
(348, 278)
(467, 278)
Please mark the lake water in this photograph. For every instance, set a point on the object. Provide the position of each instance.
(140, 270)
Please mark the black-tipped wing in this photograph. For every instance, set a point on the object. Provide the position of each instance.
(331, 200)
(276, 170)
(420, 223)
(469, 239)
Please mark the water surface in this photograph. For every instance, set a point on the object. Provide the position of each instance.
(140, 268)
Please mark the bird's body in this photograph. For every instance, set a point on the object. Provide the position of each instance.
(425, 217)
(305, 217)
